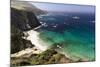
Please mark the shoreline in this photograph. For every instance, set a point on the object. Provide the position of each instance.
(40, 48)
(33, 37)
(28, 56)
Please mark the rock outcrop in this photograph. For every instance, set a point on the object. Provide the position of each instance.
(17, 42)
(21, 20)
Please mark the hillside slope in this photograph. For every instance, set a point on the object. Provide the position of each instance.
(27, 6)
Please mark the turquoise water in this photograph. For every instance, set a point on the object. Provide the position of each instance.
(77, 39)
(73, 46)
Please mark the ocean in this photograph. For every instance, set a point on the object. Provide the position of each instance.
(73, 32)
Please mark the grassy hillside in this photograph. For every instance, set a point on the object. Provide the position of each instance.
(50, 56)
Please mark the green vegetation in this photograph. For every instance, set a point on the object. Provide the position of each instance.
(49, 56)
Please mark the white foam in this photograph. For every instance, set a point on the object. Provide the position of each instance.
(33, 37)
(76, 17)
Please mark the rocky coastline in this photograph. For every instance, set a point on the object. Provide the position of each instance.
(23, 52)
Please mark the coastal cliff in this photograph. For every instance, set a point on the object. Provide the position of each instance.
(18, 26)
(23, 52)
(21, 21)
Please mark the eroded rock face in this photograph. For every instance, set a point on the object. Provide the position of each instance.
(23, 20)
(17, 42)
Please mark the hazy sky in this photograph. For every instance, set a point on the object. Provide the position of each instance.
(63, 7)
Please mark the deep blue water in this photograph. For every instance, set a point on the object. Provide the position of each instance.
(75, 31)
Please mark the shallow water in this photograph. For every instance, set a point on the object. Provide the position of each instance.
(76, 36)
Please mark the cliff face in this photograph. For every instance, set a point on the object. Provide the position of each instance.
(23, 18)
(21, 21)
(17, 42)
